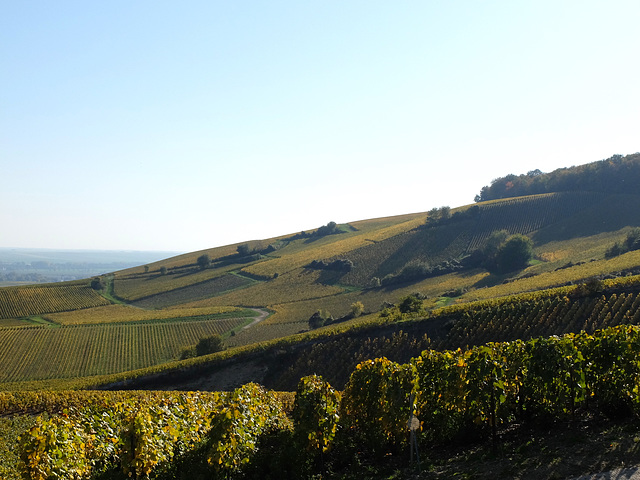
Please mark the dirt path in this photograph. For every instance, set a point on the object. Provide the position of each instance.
(262, 314)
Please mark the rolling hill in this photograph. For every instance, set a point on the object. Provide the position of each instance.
(426, 309)
(376, 262)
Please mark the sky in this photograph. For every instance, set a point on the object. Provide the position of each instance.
(181, 126)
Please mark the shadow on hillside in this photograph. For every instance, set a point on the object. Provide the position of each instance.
(611, 214)
(493, 279)
(330, 277)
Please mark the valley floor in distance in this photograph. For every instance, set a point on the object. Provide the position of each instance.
(23, 266)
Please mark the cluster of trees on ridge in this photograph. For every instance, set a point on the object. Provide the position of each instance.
(616, 174)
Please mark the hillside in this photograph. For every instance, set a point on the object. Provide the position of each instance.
(436, 254)
(293, 276)
(504, 321)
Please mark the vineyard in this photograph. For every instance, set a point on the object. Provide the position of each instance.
(133, 287)
(33, 353)
(528, 214)
(463, 234)
(125, 313)
(16, 302)
(198, 291)
(291, 287)
(398, 336)
(328, 247)
(475, 352)
(476, 393)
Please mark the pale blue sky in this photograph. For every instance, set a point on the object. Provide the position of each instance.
(155, 125)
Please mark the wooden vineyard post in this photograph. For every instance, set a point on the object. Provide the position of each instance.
(414, 426)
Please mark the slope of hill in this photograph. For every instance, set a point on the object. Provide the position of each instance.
(375, 262)
(425, 290)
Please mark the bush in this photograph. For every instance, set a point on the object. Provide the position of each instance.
(97, 283)
(204, 261)
(514, 254)
(410, 304)
(210, 344)
(328, 229)
(357, 309)
(340, 265)
(632, 242)
(320, 318)
(188, 352)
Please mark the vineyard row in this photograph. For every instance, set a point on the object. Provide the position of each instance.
(439, 396)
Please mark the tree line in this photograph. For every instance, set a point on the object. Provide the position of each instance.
(616, 174)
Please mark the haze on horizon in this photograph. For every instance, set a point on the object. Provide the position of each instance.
(162, 126)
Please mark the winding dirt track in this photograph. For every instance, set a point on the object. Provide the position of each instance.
(262, 314)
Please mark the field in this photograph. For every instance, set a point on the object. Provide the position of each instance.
(18, 302)
(35, 353)
(125, 313)
(191, 293)
(303, 252)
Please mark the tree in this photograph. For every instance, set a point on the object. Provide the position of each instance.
(433, 215)
(97, 283)
(316, 320)
(163, 270)
(514, 254)
(328, 229)
(494, 242)
(633, 239)
(204, 261)
(243, 250)
(357, 308)
(211, 344)
(188, 352)
(320, 318)
(411, 303)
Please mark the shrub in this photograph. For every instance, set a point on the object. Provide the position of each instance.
(357, 309)
(320, 318)
(97, 283)
(188, 352)
(204, 261)
(410, 304)
(211, 344)
(514, 254)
